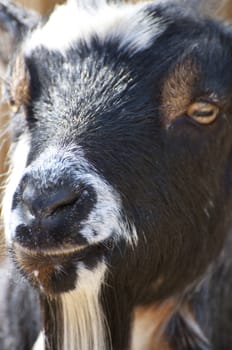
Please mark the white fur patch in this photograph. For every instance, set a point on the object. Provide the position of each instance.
(18, 164)
(84, 324)
(40, 343)
(106, 216)
(134, 30)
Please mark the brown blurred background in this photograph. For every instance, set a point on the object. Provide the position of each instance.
(43, 6)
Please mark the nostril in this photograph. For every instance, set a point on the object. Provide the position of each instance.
(45, 204)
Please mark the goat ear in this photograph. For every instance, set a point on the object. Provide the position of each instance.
(15, 22)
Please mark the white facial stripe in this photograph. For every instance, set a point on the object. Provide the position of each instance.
(18, 164)
(84, 326)
(106, 217)
(71, 22)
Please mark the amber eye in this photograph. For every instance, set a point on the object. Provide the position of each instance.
(203, 112)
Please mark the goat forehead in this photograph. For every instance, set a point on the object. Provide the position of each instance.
(132, 25)
(101, 78)
(101, 70)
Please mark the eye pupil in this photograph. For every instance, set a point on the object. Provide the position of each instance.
(203, 113)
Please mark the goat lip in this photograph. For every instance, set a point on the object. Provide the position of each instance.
(57, 271)
(66, 250)
(52, 274)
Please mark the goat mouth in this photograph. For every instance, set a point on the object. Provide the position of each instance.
(56, 272)
(64, 250)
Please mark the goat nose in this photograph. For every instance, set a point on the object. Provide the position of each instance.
(42, 204)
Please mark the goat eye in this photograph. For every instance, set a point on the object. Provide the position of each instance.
(203, 112)
(14, 106)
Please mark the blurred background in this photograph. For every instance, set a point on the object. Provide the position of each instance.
(44, 6)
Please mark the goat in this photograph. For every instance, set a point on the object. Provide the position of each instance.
(117, 209)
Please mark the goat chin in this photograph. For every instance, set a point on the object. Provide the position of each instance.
(78, 317)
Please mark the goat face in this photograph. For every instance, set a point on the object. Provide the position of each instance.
(121, 148)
